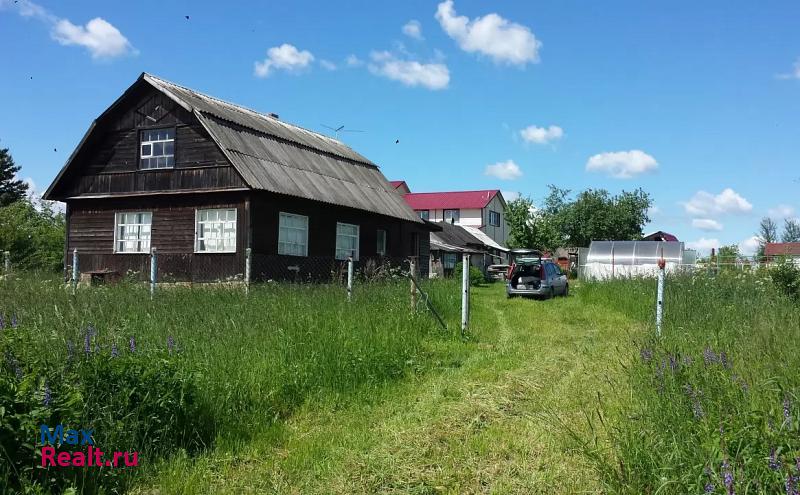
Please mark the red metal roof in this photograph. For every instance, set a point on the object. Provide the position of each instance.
(782, 249)
(450, 200)
(397, 183)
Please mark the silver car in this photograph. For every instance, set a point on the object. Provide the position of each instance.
(536, 277)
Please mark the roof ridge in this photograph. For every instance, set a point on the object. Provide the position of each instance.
(246, 109)
(455, 192)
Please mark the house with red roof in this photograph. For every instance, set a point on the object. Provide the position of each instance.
(777, 250)
(483, 209)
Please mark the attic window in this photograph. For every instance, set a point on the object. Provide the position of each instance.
(157, 149)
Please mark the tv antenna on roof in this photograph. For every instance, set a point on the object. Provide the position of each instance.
(339, 129)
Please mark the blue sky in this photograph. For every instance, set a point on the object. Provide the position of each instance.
(696, 102)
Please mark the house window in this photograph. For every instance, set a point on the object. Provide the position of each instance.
(215, 231)
(494, 218)
(346, 241)
(381, 250)
(449, 260)
(132, 232)
(292, 234)
(157, 149)
(452, 216)
(425, 214)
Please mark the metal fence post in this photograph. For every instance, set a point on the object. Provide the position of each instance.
(465, 293)
(153, 271)
(7, 262)
(412, 269)
(247, 268)
(349, 278)
(76, 271)
(660, 297)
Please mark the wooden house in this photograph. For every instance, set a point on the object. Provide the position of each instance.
(201, 180)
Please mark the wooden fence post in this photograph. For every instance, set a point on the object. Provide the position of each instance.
(7, 262)
(349, 278)
(247, 269)
(76, 271)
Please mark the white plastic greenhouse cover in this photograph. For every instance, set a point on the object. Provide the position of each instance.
(610, 259)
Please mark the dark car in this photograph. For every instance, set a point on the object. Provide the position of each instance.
(536, 277)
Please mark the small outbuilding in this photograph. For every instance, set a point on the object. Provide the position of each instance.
(622, 259)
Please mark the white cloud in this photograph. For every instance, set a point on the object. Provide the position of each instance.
(101, 38)
(507, 170)
(703, 245)
(285, 57)
(749, 246)
(781, 211)
(795, 74)
(728, 201)
(541, 135)
(706, 224)
(622, 164)
(327, 64)
(413, 29)
(500, 39)
(410, 72)
(653, 211)
(353, 61)
(510, 195)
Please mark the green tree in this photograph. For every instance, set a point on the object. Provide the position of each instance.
(791, 231)
(597, 215)
(767, 232)
(531, 227)
(11, 188)
(34, 234)
(728, 255)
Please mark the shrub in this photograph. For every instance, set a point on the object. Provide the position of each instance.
(475, 275)
(786, 276)
(137, 402)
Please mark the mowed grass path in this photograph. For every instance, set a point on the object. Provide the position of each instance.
(486, 421)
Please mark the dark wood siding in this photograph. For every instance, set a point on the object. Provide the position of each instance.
(109, 161)
(91, 231)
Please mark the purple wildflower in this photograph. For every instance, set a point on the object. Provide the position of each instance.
(132, 343)
(14, 321)
(13, 364)
(91, 330)
(709, 488)
(2, 321)
(687, 360)
(727, 477)
(673, 363)
(47, 395)
(647, 355)
(723, 358)
(791, 485)
(774, 463)
(170, 344)
(709, 356)
(114, 351)
(87, 343)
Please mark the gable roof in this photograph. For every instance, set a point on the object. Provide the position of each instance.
(782, 249)
(455, 235)
(484, 238)
(660, 235)
(451, 200)
(272, 155)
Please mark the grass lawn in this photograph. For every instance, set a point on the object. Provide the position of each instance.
(481, 422)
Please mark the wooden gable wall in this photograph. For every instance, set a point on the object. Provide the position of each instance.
(108, 163)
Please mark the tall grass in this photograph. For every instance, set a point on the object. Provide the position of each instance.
(712, 405)
(251, 360)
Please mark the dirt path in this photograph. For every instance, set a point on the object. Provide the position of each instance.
(483, 425)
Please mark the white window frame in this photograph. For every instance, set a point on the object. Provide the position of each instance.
(497, 215)
(141, 241)
(458, 215)
(143, 143)
(281, 216)
(357, 236)
(426, 216)
(197, 238)
(381, 242)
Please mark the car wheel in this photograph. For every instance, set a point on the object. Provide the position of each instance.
(552, 293)
(566, 290)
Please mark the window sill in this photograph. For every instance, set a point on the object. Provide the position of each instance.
(215, 252)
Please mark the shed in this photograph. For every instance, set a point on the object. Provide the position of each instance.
(612, 259)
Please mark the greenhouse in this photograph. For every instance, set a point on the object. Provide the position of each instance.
(623, 259)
